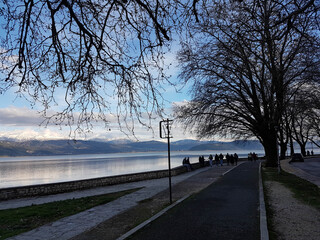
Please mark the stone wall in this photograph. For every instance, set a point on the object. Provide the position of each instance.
(54, 188)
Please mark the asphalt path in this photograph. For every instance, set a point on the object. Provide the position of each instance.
(310, 165)
(227, 209)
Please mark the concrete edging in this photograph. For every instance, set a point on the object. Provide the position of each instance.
(264, 234)
(70, 186)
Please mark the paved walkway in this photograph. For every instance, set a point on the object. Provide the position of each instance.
(72, 226)
(236, 194)
(227, 209)
(308, 170)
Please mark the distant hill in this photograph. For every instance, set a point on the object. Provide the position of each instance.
(235, 145)
(66, 147)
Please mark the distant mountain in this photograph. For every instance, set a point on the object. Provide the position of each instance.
(235, 145)
(188, 144)
(66, 147)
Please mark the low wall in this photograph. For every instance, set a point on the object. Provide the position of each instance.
(54, 188)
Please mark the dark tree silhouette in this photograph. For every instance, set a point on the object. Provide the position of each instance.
(244, 59)
(304, 115)
(91, 51)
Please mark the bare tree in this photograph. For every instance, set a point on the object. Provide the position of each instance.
(305, 115)
(89, 51)
(243, 59)
(315, 134)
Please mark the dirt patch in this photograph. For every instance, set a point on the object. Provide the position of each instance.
(292, 220)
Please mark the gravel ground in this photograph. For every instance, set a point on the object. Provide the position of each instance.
(293, 220)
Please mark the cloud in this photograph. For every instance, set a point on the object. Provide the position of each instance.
(15, 116)
(23, 123)
(181, 103)
(7, 58)
(31, 134)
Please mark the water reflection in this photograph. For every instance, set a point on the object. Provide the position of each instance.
(22, 171)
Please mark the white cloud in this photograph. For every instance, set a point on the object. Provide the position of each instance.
(7, 59)
(181, 103)
(24, 123)
(32, 133)
(15, 116)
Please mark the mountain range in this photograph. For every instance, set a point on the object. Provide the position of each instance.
(66, 147)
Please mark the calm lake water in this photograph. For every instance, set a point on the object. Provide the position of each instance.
(23, 171)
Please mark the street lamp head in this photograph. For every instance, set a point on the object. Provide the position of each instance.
(165, 128)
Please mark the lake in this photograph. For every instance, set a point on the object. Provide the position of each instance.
(32, 170)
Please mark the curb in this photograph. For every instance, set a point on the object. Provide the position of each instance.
(264, 234)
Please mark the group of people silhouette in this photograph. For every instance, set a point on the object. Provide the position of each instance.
(229, 159)
(186, 163)
(219, 159)
(252, 156)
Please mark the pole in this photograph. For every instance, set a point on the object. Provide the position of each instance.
(278, 158)
(169, 161)
(277, 147)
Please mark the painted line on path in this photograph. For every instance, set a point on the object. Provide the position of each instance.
(132, 231)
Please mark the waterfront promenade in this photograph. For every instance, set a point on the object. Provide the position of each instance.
(219, 208)
(75, 225)
(227, 209)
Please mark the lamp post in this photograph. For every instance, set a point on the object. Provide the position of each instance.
(165, 127)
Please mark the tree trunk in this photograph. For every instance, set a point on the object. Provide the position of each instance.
(270, 148)
(303, 149)
(283, 150)
(291, 146)
(283, 141)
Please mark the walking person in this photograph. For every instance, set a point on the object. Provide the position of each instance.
(232, 159)
(210, 160)
(236, 157)
(254, 156)
(228, 159)
(221, 159)
(186, 164)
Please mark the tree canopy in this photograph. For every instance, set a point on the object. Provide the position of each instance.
(244, 60)
(90, 51)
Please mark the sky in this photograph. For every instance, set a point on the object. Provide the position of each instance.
(20, 121)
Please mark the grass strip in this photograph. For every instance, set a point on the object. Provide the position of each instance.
(306, 192)
(19, 220)
(120, 224)
(303, 190)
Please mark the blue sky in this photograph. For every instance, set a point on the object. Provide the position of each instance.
(18, 120)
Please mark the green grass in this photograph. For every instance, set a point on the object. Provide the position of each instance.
(302, 190)
(19, 220)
